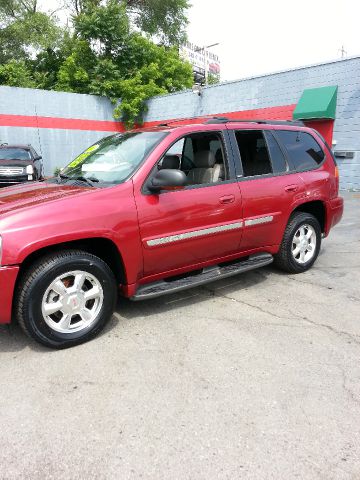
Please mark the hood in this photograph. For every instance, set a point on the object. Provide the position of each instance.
(15, 162)
(34, 194)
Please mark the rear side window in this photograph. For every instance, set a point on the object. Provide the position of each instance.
(304, 151)
(254, 153)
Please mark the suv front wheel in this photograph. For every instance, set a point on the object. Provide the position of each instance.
(301, 243)
(65, 298)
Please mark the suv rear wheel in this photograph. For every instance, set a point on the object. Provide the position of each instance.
(300, 245)
(65, 298)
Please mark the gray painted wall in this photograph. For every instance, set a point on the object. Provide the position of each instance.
(28, 101)
(58, 147)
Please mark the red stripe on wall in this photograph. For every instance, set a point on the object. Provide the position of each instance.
(270, 113)
(60, 123)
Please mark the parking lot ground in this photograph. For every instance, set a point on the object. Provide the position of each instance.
(253, 377)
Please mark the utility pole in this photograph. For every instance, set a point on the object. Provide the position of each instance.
(343, 52)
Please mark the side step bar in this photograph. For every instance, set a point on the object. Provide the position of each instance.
(209, 274)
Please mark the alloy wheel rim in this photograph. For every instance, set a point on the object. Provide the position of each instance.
(72, 302)
(304, 244)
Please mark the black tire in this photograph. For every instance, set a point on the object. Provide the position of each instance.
(35, 282)
(284, 259)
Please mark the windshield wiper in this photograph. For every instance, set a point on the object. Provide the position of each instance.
(90, 181)
(62, 176)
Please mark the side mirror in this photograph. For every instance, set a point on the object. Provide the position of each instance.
(168, 180)
(39, 157)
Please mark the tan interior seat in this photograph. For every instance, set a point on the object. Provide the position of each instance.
(206, 169)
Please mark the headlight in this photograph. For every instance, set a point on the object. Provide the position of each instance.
(29, 169)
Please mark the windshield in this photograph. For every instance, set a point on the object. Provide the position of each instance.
(14, 154)
(113, 159)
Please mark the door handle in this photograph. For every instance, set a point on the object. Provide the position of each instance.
(291, 188)
(227, 199)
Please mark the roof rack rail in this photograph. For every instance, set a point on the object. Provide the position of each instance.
(213, 120)
(183, 119)
(216, 120)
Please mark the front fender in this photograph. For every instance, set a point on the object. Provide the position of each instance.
(108, 214)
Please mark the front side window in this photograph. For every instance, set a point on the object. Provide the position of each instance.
(201, 156)
(114, 159)
(304, 151)
(14, 154)
(254, 154)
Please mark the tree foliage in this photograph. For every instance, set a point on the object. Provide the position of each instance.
(158, 18)
(123, 49)
(16, 74)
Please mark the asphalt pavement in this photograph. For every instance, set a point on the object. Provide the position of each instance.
(253, 377)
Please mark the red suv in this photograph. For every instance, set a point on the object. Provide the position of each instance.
(155, 211)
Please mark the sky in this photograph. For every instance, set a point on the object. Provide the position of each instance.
(264, 36)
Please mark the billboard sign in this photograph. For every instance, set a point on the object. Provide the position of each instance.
(204, 61)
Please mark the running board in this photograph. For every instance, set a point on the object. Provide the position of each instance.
(206, 275)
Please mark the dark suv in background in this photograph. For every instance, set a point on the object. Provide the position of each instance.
(18, 164)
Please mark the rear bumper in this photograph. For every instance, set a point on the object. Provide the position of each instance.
(335, 210)
(8, 276)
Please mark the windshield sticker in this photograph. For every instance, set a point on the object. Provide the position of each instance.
(83, 156)
(96, 167)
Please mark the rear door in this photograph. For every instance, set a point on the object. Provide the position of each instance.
(268, 188)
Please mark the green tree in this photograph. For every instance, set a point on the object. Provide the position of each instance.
(15, 73)
(105, 27)
(213, 79)
(125, 65)
(107, 50)
(75, 72)
(25, 31)
(163, 20)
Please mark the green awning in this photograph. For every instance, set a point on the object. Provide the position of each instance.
(316, 103)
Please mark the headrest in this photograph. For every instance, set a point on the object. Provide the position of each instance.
(170, 161)
(204, 159)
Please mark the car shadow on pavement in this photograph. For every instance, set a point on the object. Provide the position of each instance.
(130, 310)
(12, 339)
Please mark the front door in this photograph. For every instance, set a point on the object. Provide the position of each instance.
(199, 223)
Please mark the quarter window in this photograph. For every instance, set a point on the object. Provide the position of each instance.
(304, 151)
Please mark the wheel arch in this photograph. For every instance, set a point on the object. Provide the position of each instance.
(101, 247)
(316, 208)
